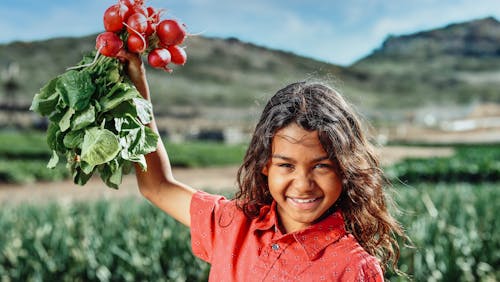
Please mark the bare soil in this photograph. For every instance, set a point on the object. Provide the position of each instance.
(213, 179)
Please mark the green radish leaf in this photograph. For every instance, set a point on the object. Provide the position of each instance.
(86, 167)
(113, 75)
(112, 173)
(144, 110)
(74, 139)
(80, 105)
(123, 109)
(46, 100)
(80, 177)
(52, 131)
(126, 124)
(139, 159)
(83, 119)
(55, 138)
(150, 141)
(99, 146)
(109, 102)
(65, 121)
(53, 160)
(58, 113)
(76, 88)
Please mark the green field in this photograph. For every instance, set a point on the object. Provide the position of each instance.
(454, 228)
(447, 205)
(24, 156)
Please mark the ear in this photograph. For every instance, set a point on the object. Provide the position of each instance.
(265, 169)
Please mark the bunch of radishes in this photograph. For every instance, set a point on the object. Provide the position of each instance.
(139, 29)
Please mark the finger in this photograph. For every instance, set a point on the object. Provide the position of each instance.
(123, 56)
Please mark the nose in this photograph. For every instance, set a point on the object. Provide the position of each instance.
(302, 181)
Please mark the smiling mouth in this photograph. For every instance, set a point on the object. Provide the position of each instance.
(304, 204)
(303, 201)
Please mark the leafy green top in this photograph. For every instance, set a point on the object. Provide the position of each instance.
(97, 121)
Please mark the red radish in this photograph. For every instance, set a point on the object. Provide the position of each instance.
(128, 3)
(153, 19)
(137, 22)
(136, 43)
(151, 28)
(125, 11)
(159, 58)
(139, 2)
(140, 9)
(112, 19)
(132, 3)
(154, 14)
(170, 32)
(178, 55)
(108, 44)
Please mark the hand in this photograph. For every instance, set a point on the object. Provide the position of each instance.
(135, 70)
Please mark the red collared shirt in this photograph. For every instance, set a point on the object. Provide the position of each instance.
(243, 249)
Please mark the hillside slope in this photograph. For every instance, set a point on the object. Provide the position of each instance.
(453, 65)
(459, 63)
(221, 72)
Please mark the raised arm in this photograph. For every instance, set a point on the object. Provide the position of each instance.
(158, 184)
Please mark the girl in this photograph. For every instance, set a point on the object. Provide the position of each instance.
(310, 204)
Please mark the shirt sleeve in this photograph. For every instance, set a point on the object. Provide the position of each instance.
(371, 270)
(368, 270)
(203, 211)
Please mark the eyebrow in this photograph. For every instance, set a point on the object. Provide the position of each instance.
(285, 158)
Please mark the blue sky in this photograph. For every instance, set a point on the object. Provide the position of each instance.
(335, 31)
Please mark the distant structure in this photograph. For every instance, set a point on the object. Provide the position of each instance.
(10, 83)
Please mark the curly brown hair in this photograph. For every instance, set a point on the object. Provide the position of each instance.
(364, 203)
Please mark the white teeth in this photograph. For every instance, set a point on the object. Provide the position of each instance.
(304, 200)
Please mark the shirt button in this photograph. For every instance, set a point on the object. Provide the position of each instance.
(275, 247)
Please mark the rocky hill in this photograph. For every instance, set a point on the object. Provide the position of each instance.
(456, 64)
(475, 39)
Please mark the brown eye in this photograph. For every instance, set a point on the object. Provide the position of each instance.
(285, 165)
(322, 166)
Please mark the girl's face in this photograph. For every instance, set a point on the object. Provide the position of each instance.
(301, 178)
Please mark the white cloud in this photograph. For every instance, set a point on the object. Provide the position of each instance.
(435, 15)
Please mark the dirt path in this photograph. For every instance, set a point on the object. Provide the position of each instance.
(220, 178)
(215, 179)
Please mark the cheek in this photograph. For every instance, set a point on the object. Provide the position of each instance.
(276, 181)
(335, 187)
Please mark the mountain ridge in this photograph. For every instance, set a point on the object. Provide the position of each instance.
(476, 38)
(226, 72)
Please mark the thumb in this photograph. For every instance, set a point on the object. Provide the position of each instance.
(124, 56)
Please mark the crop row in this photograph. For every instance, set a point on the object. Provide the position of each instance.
(454, 229)
(473, 164)
(125, 240)
(24, 157)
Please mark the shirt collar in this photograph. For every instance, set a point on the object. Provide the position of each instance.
(267, 217)
(313, 239)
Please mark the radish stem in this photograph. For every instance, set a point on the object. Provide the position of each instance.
(89, 64)
(136, 32)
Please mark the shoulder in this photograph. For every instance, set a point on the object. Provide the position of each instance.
(351, 262)
(206, 206)
(214, 221)
(359, 264)
(368, 269)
